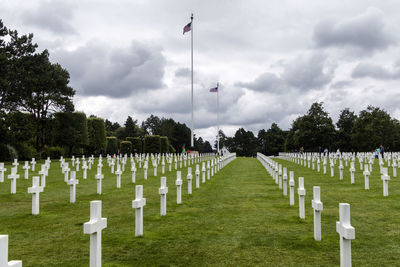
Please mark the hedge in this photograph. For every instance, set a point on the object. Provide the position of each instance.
(136, 144)
(152, 144)
(112, 145)
(125, 147)
(164, 147)
(96, 134)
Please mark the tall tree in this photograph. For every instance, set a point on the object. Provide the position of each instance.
(345, 126)
(275, 140)
(130, 127)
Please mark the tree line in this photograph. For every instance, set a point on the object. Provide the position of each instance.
(315, 131)
(38, 118)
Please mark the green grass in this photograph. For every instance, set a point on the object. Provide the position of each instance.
(239, 217)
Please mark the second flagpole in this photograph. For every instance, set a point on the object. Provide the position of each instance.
(192, 133)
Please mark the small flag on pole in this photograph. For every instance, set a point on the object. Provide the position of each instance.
(214, 90)
(187, 28)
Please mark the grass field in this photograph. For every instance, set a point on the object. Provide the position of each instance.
(239, 217)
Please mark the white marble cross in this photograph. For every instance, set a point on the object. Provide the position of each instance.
(162, 191)
(35, 190)
(42, 174)
(13, 177)
(84, 168)
(341, 170)
(4, 254)
(301, 191)
(33, 163)
(163, 166)
(99, 177)
(26, 168)
(366, 177)
(352, 170)
(291, 186)
(118, 173)
(317, 206)
(197, 176)
(112, 166)
(346, 232)
(145, 170)
(208, 170)
(203, 170)
(212, 167)
(189, 178)
(394, 165)
(66, 172)
(280, 176)
(138, 204)
(72, 187)
(2, 170)
(385, 178)
(94, 228)
(77, 164)
(332, 168)
(155, 167)
(178, 184)
(133, 170)
(318, 165)
(284, 183)
(15, 163)
(324, 163)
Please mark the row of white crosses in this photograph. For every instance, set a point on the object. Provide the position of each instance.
(343, 226)
(363, 157)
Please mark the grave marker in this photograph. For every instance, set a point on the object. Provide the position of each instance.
(35, 190)
(317, 206)
(178, 184)
(291, 185)
(94, 228)
(346, 233)
(138, 204)
(13, 177)
(301, 191)
(4, 254)
(162, 191)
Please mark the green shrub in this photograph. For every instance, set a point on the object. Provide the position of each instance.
(54, 152)
(171, 149)
(4, 153)
(136, 144)
(112, 145)
(96, 134)
(125, 147)
(25, 151)
(152, 144)
(164, 147)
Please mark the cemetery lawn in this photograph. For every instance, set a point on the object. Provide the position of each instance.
(239, 217)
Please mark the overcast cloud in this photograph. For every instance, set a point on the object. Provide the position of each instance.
(273, 59)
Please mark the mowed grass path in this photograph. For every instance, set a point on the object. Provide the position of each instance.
(238, 218)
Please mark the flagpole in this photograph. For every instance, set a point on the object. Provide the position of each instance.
(217, 118)
(191, 34)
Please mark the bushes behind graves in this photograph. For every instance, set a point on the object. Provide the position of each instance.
(7, 153)
(164, 147)
(171, 149)
(54, 152)
(152, 144)
(25, 151)
(125, 147)
(112, 145)
(96, 134)
(136, 144)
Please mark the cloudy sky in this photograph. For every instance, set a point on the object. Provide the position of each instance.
(273, 59)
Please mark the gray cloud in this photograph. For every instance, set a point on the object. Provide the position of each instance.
(304, 73)
(365, 33)
(341, 84)
(375, 71)
(98, 70)
(182, 72)
(54, 16)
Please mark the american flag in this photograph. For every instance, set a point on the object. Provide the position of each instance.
(187, 28)
(214, 90)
